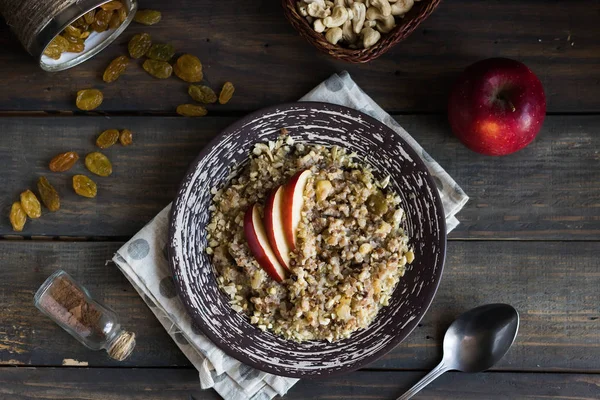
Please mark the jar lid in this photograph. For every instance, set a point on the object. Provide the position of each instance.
(94, 44)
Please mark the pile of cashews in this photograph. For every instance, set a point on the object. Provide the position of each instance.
(355, 23)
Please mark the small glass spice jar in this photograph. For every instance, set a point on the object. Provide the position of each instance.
(72, 307)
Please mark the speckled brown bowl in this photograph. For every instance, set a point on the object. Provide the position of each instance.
(326, 124)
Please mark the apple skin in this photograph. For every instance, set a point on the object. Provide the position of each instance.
(257, 240)
(275, 228)
(497, 106)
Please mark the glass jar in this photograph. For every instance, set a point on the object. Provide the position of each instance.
(72, 307)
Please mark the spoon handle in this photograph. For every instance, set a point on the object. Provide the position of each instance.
(430, 377)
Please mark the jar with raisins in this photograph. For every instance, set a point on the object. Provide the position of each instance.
(64, 33)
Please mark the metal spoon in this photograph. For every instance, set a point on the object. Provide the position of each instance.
(475, 341)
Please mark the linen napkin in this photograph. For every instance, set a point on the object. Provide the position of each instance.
(143, 260)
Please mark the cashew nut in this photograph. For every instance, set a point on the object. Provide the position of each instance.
(334, 35)
(318, 26)
(370, 36)
(386, 25)
(320, 2)
(359, 10)
(339, 15)
(348, 34)
(373, 14)
(301, 8)
(340, 3)
(329, 4)
(315, 10)
(370, 24)
(401, 7)
(382, 5)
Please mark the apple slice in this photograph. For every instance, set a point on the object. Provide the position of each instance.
(274, 226)
(258, 242)
(293, 198)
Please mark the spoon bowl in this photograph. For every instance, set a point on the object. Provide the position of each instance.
(474, 342)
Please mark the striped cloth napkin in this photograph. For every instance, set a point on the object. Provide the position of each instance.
(143, 260)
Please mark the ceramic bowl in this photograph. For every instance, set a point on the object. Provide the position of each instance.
(325, 124)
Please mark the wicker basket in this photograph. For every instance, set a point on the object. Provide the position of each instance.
(406, 25)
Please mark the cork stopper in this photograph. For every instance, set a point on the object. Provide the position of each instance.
(122, 346)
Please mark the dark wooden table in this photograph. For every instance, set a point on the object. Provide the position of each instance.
(529, 236)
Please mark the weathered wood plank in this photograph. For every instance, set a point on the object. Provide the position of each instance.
(554, 285)
(179, 384)
(550, 190)
(251, 44)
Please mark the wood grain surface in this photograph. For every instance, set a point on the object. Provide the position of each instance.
(554, 286)
(182, 384)
(549, 190)
(251, 44)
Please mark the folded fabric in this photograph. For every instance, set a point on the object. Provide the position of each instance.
(143, 260)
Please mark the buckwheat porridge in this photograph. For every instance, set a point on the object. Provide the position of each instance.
(350, 250)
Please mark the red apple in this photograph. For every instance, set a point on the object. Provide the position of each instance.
(293, 198)
(497, 106)
(258, 242)
(274, 226)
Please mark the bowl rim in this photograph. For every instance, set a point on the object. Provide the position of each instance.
(216, 340)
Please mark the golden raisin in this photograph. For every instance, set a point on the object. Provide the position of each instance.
(107, 138)
(191, 110)
(147, 17)
(160, 52)
(111, 5)
(97, 163)
(158, 69)
(189, 68)
(101, 21)
(31, 205)
(72, 33)
(17, 217)
(126, 137)
(139, 45)
(115, 21)
(85, 35)
(64, 161)
(115, 69)
(226, 93)
(84, 186)
(377, 204)
(202, 94)
(122, 13)
(76, 47)
(48, 194)
(89, 99)
(90, 17)
(56, 47)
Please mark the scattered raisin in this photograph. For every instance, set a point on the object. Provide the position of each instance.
(147, 17)
(90, 17)
(48, 194)
(115, 69)
(17, 217)
(126, 137)
(158, 69)
(226, 93)
(191, 110)
(84, 186)
(76, 47)
(139, 45)
(377, 203)
(160, 52)
(189, 68)
(64, 161)
(107, 138)
(97, 163)
(89, 99)
(31, 205)
(202, 94)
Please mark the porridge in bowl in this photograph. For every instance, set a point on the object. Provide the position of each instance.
(306, 241)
